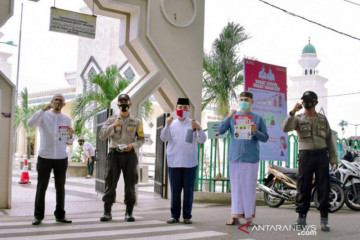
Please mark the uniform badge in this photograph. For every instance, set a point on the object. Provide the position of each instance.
(322, 133)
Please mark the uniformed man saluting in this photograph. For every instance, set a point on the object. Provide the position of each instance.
(126, 137)
(316, 150)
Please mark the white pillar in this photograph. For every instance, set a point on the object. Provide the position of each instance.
(7, 110)
(163, 41)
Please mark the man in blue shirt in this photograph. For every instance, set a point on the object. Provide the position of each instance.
(244, 160)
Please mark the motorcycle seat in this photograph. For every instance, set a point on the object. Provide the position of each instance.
(291, 171)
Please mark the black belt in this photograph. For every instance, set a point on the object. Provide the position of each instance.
(314, 152)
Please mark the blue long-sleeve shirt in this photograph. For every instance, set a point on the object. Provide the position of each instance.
(245, 150)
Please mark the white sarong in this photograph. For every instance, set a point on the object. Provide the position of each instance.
(243, 179)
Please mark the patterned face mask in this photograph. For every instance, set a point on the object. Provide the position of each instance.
(124, 107)
(182, 113)
(308, 104)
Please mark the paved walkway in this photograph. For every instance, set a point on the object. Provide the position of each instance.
(84, 207)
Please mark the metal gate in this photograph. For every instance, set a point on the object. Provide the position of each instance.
(161, 172)
(100, 152)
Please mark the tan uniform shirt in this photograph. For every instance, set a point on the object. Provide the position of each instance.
(130, 132)
(314, 133)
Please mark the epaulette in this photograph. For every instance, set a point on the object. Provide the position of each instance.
(133, 120)
(321, 115)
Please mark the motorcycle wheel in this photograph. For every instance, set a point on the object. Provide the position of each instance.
(336, 197)
(270, 200)
(350, 197)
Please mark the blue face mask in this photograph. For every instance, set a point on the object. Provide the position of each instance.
(244, 105)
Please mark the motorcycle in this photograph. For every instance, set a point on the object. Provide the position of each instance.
(280, 186)
(349, 174)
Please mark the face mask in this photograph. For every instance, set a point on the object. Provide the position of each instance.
(182, 113)
(308, 104)
(124, 107)
(244, 105)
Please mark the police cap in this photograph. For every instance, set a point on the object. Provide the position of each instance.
(123, 96)
(310, 95)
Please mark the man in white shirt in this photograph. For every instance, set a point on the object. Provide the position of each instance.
(89, 156)
(55, 134)
(182, 135)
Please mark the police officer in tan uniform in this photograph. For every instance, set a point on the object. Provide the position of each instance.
(316, 151)
(126, 137)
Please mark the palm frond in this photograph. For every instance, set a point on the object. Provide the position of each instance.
(23, 112)
(110, 84)
(147, 111)
(222, 68)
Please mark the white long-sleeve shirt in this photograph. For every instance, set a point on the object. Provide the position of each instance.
(51, 145)
(179, 152)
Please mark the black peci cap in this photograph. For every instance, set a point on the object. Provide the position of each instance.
(246, 94)
(183, 101)
(123, 96)
(310, 95)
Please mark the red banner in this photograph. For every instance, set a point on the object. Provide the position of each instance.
(267, 82)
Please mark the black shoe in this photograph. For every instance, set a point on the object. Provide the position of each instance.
(172, 220)
(107, 213)
(36, 221)
(187, 221)
(300, 223)
(325, 227)
(106, 217)
(129, 217)
(128, 213)
(63, 220)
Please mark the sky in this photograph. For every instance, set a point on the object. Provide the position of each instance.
(276, 38)
(45, 56)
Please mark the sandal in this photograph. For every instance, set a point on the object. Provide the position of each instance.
(232, 221)
(251, 223)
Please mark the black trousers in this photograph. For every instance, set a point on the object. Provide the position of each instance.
(310, 162)
(115, 163)
(182, 179)
(44, 167)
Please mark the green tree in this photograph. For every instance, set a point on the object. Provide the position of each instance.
(146, 111)
(22, 115)
(110, 84)
(223, 73)
(223, 69)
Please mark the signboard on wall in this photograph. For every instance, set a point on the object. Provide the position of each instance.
(213, 130)
(267, 82)
(79, 24)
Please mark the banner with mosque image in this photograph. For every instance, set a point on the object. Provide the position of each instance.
(267, 82)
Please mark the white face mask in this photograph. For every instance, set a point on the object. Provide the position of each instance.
(182, 113)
